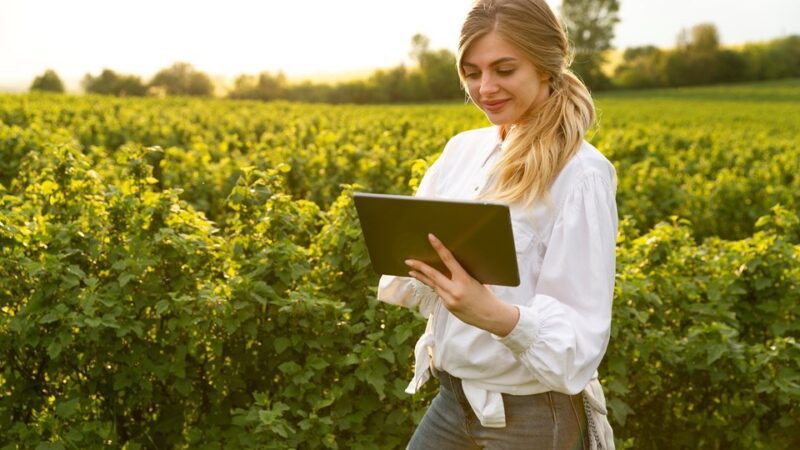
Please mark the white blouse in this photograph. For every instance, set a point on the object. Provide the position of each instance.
(566, 257)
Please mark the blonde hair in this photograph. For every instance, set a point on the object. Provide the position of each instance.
(546, 137)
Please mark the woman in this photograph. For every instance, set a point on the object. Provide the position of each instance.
(517, 365)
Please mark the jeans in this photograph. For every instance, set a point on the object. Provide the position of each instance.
(550, 420)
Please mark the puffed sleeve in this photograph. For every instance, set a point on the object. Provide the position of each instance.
(562, 336)
(408, 291)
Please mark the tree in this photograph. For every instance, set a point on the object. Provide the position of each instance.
(590, 27)
(264, 87)
(309, 92)
(182, 79)
(439, 72)
(49, 81)
(778, 58)
(641, 67)
(419, 46)
(244, 87)
(437, 69)
(702, 38)
(697, 59)
(112, 83)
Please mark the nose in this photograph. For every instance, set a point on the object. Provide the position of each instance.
(488, 84)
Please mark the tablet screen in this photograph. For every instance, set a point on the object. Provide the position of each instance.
(479, 234)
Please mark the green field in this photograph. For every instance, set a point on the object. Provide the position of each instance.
(183, 273)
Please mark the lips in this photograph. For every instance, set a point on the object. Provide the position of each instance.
(496, 105)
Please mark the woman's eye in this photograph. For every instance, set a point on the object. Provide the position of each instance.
(501, 72)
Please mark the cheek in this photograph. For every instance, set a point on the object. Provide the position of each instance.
(473, 89)
(529, 94)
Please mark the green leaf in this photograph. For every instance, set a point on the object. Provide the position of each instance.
(50, 317)
(124, 278)
(74, 435)
(161, 306)
(281, 344)
(93, 322)
(714, 352)
(67, 408)
(289, 367)
(387, 354)
(619, 410)
(54, 349)
(75, 270)
(316, 362)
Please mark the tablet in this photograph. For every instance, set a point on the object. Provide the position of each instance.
(479, 235)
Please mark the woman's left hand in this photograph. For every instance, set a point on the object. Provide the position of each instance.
(463, 295)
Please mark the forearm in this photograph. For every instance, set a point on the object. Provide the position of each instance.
(486, 312)
(501, 319)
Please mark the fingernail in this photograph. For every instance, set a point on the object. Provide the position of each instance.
(432, 237)
(408, 262)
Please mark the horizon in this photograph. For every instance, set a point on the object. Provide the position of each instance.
(84, 37)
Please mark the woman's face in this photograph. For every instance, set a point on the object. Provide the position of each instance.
(501, 81)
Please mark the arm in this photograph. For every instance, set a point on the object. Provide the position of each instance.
(562, 336)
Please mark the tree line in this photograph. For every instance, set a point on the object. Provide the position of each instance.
(697, 59)
(431, 78)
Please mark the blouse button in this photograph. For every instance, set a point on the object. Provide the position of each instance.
(476, 188)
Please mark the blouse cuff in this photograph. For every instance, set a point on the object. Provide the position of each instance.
(427, 297)
(524, 332)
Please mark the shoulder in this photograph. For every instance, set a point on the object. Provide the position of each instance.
(588, 160)
(588, 165)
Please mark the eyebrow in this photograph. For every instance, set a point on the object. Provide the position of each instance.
(493, 63)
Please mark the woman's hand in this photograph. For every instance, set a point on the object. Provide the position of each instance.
(464, 296)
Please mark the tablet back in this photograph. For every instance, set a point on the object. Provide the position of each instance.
(478, 234)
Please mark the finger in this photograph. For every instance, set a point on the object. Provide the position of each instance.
(436, 277)
(422, 278)
(446, 256)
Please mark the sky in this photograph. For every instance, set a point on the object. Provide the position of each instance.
(303, 38)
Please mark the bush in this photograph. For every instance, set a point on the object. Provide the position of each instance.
(49, 81)
(705, 341)
(111, 83)
(182, 79)
(191, 274)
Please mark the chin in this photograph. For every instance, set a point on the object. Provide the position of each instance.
(499, 121)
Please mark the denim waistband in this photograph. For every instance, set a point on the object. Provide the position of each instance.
(452, 383)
